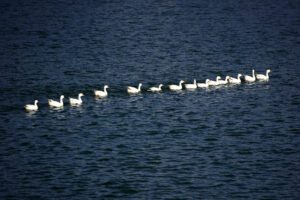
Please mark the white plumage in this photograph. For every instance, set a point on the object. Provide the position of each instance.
(262, 77)
(214, 83)
(57, 104)
(133, 90)
(176, 87)
(31, 107)
(101, 94)
(224, 82)
(156, 89)
(76, 101)
(191, 86)
(203, 85)
(235, 80)
(250, 79)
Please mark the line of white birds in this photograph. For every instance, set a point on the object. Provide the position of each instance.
(133, 90)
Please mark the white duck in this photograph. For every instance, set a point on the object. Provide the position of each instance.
(224, 82)
(214, 83)
(101, 94)
(203, 85)
(133, 90)
(56, 103)
(250, 79)
(176, 87)
(76, 101)
(31, 107)
(191, 86)
(235, 80)
(262, 77)
(156, 89)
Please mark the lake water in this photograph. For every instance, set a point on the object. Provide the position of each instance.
(230, 142)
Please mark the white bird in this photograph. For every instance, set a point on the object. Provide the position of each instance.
(250, 79)
(76, 101)
(224, 82)
(133, 90)
(235, 80)
(99, 93)
(262, 77)
(214, 83)
(203, 85)
(56, 103)
(156, 89)
(31, 107)
(176, 87)
(191, 86)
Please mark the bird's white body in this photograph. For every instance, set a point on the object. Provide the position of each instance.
(250, 79)
(224, 82)
(156, 89)
(101, 94)
(235, 80)
(214, 83)
(191, 86)
(133, 90)
(76, 101)
(262, 77)
(176, 87)
(203, 85)
(57, 104)
(30, 107)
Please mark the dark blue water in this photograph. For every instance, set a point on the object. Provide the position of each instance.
(231, 142)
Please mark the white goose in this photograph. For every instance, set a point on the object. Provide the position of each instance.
(250, 79)
(76, 101)
(133, 90)
(156, 89)
(224, 82)
(191, 86)
(176, 87)
(203, 85)
(235, 80)
(262, 77)
(31, 107)
(101, 94)
(57, 104)
(214, 83)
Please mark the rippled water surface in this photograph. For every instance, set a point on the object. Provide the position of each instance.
(229, 142)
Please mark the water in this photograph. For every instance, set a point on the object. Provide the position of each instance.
(231, 142)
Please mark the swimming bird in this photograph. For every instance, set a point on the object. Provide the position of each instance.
(176, 87)
(76, 101)
(133, 90)
(250, 79)
(191, 86)
(101, 94)
(224, 82)
(214, 83)
(262, 77)
(235, 80)
(57, 104)
(156, 89)
(30, 107)
(203, 85)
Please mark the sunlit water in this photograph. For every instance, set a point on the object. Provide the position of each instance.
(228, 142)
